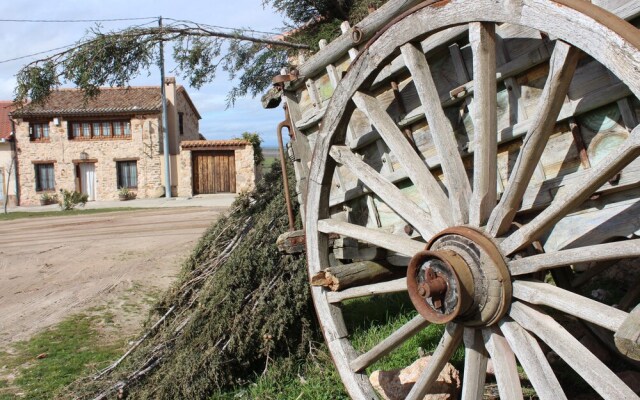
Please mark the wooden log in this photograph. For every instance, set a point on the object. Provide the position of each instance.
(394, 286)
(291, 242)
(348, 275)
(627, 338)
(368, 27)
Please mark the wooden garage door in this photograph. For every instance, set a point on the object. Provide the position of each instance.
(214, 172)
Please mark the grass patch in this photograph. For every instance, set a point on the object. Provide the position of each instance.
(72, 348)
(59, 213)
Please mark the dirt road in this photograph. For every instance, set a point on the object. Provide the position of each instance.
(57, 266)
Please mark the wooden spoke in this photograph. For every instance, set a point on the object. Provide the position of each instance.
(533, 360)
(504, 363)
(482, 38)
(575, 194)
(570, 303)
(394, 286)
(448, 344)
(414, 166)
(404, 246)
(442, 134)
(600, 252)
(475, 364)
(387, 191)
(561, 68)
(406, 332)
(592, 370)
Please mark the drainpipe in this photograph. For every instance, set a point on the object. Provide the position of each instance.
(165, 122)
(14, 151)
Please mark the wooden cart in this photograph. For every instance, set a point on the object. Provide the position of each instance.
(464, 151)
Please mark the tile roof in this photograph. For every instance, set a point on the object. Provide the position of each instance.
(5, 122)
(63, 102)
(196, 144)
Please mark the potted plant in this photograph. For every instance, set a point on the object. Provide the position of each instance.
(48, 198)
(126, 194)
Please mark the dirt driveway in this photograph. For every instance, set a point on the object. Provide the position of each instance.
(56, 266)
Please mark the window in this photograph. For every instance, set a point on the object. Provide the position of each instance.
(39, 131)
(100, 130)
(127, 174)
(44, 177)
(180, 122)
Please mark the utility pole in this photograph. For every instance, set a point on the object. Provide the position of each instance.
(164, 126)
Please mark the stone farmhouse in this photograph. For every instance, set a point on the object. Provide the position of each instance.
(99, 145)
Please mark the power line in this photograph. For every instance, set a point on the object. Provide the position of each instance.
(221, 27)
(76, 20)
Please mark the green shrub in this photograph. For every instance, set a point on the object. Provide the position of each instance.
(71, 199)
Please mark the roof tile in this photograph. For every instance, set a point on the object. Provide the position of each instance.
(195, 144)
(109, 101)
(5, 122)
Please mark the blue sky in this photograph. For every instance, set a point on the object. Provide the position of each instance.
(22, 38)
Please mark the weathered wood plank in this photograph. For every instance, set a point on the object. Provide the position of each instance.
(562, 66)
(390, 343)
(448, 344)
(578, 357)
(504, 363)
(475, 364)
(576, 194)
(413, 165)
(482, 38)
(533, 360)
(571, 303)
(402, 245)
(386, 190)
(627, 338)
(600, 252)
(441, 132)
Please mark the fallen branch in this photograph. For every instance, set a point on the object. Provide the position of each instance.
(135, 345)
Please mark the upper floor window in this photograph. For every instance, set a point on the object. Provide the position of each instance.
(99, 129)
(39, 131)
(181, 122)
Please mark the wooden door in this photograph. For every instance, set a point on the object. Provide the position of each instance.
(214, 172)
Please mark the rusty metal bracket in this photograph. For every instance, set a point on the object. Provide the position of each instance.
(283, 164)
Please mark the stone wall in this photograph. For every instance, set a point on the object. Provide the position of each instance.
(245, 169)
(143, 146)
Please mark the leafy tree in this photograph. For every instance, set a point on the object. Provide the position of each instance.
(113, 58)
(255, 140)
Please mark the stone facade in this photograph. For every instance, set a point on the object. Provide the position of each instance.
(243, 156)
(143, 146)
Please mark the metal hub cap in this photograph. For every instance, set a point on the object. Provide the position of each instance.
(461, 275)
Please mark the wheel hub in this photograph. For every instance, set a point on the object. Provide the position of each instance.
(461, 276)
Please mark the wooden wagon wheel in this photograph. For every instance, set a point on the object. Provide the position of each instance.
(468, 269)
